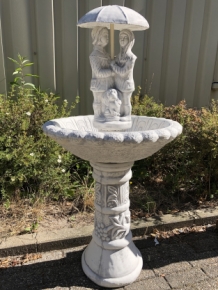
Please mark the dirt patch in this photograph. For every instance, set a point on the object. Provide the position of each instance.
(21, 217)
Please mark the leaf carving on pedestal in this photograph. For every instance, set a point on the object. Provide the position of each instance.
(112, 197)
(118, 231)
(115, 220)
(98, 193)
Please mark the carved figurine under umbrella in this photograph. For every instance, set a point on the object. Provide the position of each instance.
(111, 259)
(105, 260)
(109, 73)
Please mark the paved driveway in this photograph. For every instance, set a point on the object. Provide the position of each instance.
(188, 261)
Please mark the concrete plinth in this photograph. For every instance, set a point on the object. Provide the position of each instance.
(112, 259)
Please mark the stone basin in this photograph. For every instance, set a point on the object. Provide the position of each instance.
(146, 136)
(111, 259)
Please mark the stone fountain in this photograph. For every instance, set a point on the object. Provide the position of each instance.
(112, 140)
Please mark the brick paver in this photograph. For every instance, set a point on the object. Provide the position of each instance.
(176, 263)
(185, 278)
(214, 284)
(211, 270)
(157, 283)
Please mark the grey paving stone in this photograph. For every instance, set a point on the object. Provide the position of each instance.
(214, 284)
(186, 278)
(157, 283)
(204, 244)
(83, 283)
(20, 287)
(47, 256)
(204, 285)
(82, 288)
(209, 257)
(58, 288)
(148, 254)
(85, 288)
(211, 270)
(72, 255)
(146, 273)
(164, 255)
(169, 251)
(176, 266)
(74, 249)
(172, 267)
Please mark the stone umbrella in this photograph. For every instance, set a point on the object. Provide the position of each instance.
(114, 17)
(112, 259)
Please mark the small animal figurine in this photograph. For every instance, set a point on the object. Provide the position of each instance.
(112, 105)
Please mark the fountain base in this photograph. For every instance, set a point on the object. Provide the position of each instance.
(111, 259)
(114, 267)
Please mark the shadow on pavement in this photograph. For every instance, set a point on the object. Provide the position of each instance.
(67, 272)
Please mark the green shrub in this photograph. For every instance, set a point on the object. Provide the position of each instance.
(190, 162)
(34, 166)
(146, 106)
(31, 164)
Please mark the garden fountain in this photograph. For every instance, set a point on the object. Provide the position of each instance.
(112, 140)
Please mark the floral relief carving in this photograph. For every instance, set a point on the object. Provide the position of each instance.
(102, 232)
(116, 230)
(112, 199)
(98, 193)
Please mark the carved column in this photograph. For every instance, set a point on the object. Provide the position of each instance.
(111, 259)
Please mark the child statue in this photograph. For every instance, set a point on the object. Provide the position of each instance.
(123, 67)
(102, 73)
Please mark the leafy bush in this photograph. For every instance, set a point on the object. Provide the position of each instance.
(190, 162)
(34, 166)
(31, 164)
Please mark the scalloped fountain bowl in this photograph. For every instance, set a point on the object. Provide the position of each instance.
(112, 259)
(146, 136)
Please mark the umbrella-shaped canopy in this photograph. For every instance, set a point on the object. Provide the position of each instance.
(122, 18)
(114, 17)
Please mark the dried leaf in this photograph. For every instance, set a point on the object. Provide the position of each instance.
(176, 231)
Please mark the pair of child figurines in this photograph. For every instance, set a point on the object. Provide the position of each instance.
(112, 81)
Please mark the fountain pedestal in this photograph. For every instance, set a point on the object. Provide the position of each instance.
(112, 259)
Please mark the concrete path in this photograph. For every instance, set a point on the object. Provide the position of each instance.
(185, 261)
(49, 240)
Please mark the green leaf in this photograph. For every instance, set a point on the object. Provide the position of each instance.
(28, 64)
(25, 124)
(29, 84)
(30, 75)
(14, 83)
(14, 60)
(21, 58)
(17, 78)
(15, 72)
